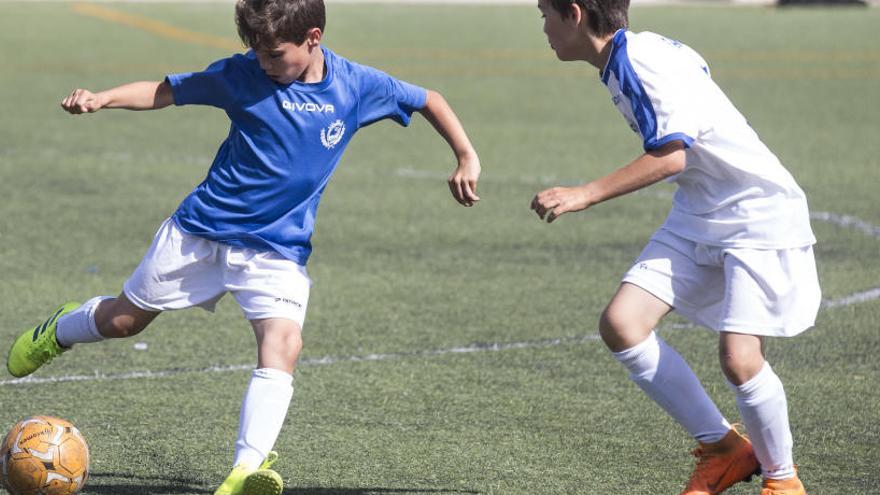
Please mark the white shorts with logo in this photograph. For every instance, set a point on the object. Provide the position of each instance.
(751, 291)
(181, 270)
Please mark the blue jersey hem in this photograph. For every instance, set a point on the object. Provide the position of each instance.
(251, 242)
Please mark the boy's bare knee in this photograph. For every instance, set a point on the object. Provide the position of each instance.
(741, 357)
(607, 329)
(740, 369)
(732, 371)
(619, 329)
(279, 343)
(630, 317)
(119, 318)
(290, 344)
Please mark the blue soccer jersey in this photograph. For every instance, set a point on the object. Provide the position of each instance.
(284, 143)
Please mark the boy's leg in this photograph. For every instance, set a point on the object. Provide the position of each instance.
(156, 285)
(761, 401)
(264, 407)
(273, 293)
(270, 390)
(724, 456)
(767, 292)
(102, 318)
(96, 319)
(627, 328)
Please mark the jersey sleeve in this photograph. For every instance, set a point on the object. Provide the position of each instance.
(212, 86)
(663, 102)
(384, 97)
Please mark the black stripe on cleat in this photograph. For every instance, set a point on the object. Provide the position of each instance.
(42, 328)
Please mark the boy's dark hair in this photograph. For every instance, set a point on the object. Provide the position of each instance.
(604, 17)
(263, 24)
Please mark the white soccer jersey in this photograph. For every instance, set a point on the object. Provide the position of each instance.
(733, 190)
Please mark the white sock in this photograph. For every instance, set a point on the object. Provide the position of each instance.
(667, 379)
(761, 401)
(265, 405)
(78, 326)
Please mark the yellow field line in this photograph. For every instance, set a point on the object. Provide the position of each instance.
(155, 27)
(422, 71)
(534, 54)
(171, 32)
(719, 74)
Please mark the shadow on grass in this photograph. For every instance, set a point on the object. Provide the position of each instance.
(367, 491)
(127, 484)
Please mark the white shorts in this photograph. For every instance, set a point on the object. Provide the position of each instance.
(181, 270)
(751, 291)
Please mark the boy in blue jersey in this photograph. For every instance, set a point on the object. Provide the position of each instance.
(294, 106)
(734, 255)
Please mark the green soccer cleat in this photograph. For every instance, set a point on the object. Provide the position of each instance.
(36, 346)
(234, 483)
(239, 480)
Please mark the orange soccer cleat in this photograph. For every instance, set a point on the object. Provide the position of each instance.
(722, 464)
(789, 486)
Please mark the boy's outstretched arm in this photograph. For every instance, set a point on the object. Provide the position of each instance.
(645, 170)
(462, 182)
(144, 95)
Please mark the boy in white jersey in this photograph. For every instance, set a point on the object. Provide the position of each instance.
(294, 106)
(734, 255)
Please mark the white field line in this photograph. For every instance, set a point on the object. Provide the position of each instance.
(841, 220)
(393, 356)
(858, 297)
(326, 360)
(331, 360)
(847, 221)
(322, 361)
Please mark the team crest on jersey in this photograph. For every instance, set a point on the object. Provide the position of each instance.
(332, 135)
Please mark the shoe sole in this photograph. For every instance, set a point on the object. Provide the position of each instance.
(263, 482)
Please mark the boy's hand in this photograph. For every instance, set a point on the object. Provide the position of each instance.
(463, 182)
(551, 203)
(82, 101)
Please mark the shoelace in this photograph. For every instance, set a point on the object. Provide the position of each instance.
(270, 459)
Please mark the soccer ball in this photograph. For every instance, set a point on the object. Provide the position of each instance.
(43, 455)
